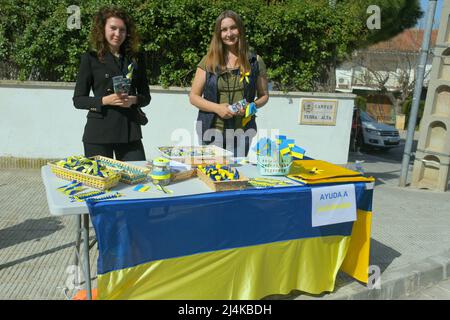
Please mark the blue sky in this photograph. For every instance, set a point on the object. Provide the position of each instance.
(424, 5)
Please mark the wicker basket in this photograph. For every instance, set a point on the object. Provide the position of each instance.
(129, 173)
(269, 166)
(102, 183)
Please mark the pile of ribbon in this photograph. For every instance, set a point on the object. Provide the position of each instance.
(85, 165)
(74, 191)
(219, 173)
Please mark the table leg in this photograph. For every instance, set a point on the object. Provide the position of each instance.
(77, 240)
(86, 264)
(76, 259)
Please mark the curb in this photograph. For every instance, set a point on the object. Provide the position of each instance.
(400, 282)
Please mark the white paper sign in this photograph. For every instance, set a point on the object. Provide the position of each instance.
(334, 204)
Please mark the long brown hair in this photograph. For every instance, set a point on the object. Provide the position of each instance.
(215, 58)
(98, 40)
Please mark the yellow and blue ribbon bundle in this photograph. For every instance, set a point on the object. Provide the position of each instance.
(85, 165)
(86, 195)
(72, 188)
(107, 197)
(219, 172)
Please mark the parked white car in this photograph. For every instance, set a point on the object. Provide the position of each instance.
(376, 134)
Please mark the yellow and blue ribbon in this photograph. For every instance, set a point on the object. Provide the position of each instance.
(141, 188)
(130, 71)
(250, 110)
(219, 172)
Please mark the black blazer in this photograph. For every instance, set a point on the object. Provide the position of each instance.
(109, 124)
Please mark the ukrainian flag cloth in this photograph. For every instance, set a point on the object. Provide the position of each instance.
(228, 245)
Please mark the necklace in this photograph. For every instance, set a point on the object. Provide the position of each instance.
(231, 91)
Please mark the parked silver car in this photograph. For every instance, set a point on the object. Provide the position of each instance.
(376, 134)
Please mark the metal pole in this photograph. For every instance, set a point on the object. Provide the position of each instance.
(87, 265)
(417, 91)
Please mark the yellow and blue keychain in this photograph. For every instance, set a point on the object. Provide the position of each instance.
(107, 197)
(141, 188)
(72, 188)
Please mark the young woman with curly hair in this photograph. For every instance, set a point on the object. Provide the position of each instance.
(114, 120)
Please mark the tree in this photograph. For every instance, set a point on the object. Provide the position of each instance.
(391, 72)
(300, 41)
(395, 16)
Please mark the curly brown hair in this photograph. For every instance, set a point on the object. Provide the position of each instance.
(98, 41)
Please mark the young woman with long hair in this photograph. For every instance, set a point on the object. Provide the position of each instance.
(228, 73)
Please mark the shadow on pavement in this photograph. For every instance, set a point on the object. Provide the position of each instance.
(41, 254)
(380, 177)
(382, 255)
(34, 256)
(393, 155)
(30, 229)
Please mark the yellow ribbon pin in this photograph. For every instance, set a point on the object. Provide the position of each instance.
(315, 170)
(130, 71)
(245, 76)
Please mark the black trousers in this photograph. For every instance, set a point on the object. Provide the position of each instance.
(132, 151)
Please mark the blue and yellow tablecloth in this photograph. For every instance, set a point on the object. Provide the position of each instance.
(228, 245)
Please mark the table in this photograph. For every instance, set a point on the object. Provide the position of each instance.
(60, 205)
(196, 244)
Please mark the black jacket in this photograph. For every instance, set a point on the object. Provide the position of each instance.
(109, 124)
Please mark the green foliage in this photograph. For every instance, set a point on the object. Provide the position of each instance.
(298, 40)
(396, 16)
(361, 103)
(406, 109)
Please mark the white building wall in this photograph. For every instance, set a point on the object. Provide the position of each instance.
(38, 120)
